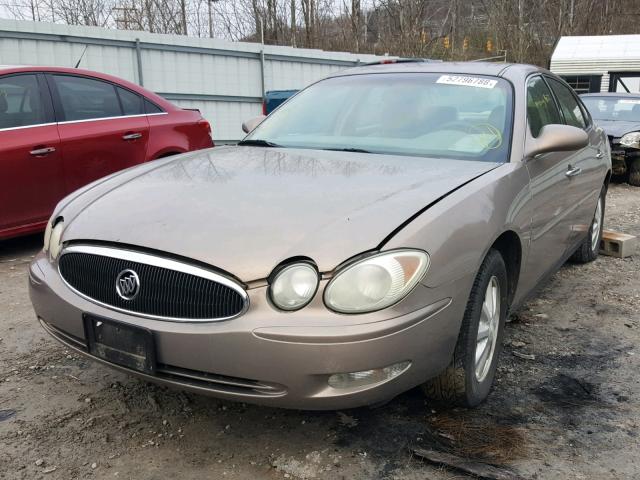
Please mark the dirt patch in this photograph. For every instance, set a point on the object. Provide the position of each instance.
(564, 391)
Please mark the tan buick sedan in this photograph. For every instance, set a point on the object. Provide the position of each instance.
(369, 236)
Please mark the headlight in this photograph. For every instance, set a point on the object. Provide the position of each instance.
(631, 140)
(294, 286)
(376, 282)
(47, 236)
(55, 242)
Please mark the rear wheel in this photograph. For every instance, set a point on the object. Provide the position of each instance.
(590, 247)
(467, 381)
(634, 173)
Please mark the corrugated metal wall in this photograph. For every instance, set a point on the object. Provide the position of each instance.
(225, 80)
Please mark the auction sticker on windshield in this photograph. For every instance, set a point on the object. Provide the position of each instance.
(467, 81)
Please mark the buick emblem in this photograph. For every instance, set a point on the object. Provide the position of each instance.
(128, 284)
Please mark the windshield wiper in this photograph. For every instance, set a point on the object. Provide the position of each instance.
(258, 143)
(354, 150)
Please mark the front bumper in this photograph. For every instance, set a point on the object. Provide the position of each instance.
(621, 157)
(273, 358)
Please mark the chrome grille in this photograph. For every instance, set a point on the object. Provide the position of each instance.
(168, 289)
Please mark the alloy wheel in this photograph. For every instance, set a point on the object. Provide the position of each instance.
(595, 226)
(487, 329)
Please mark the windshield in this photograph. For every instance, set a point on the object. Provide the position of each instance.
(423, 114)
(613, 108)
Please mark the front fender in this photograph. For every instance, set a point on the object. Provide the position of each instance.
(458, 231)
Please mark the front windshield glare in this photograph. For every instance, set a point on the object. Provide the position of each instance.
(613, 108)
(422, 114)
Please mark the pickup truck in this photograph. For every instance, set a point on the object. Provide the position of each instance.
(274, 98)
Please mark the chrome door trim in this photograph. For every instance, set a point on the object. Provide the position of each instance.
(49, 124)
(157, 261)
(82, 121)
(68, 122)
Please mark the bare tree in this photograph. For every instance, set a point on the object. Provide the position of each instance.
(520, 30)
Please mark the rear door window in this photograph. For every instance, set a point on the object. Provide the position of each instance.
(86, 98)
(151, 107)
(131, 102)
(20, 102)
(568, 104)
(541, 107)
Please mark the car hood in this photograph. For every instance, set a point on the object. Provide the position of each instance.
(246, 209)
(616, 129)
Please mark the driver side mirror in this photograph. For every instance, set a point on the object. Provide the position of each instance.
(556, 138)
(250, 125)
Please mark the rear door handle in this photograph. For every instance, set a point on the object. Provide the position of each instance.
(599, 154)
(132, 136)
(572, 172)
(41, 152)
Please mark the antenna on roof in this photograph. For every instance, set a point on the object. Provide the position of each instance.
(82, 55)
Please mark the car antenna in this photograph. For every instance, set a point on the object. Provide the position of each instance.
(81, 55)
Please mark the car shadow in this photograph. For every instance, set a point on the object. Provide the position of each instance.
(19, 247)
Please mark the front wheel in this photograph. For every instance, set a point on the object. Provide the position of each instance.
(467, 380)
(590, 247)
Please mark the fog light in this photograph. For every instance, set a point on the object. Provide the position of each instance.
(368, 377)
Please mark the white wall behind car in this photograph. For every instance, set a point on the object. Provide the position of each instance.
(225, 80)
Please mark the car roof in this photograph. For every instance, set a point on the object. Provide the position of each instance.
(473, 68)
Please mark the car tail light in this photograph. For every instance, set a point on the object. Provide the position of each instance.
(264, 108)
(206, 126)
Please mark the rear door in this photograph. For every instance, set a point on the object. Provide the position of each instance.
(102, 127)
(31, 173)
(550, 210)
(586, 167)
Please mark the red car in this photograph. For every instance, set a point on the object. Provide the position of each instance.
(61, 128)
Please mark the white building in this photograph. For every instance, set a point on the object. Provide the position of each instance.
(605, 63)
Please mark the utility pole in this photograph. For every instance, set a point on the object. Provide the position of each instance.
(210, 20)
(210, 5)
(293, 23)
(183, 8)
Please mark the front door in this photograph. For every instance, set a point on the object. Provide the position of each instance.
(102, 127)
(587, 170)
(31, 173)
(550, 211)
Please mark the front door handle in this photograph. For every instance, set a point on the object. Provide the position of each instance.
(41, 152)
(131, 136)
(572, 172)
(599, 154)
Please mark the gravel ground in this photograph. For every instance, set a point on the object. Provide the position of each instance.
(565, 405)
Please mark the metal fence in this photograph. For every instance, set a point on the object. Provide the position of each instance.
(225, 80)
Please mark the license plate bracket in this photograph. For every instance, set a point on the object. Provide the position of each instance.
(119, 343)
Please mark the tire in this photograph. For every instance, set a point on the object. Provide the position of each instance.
(590, 247)
(460, 384)
(634, 173)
